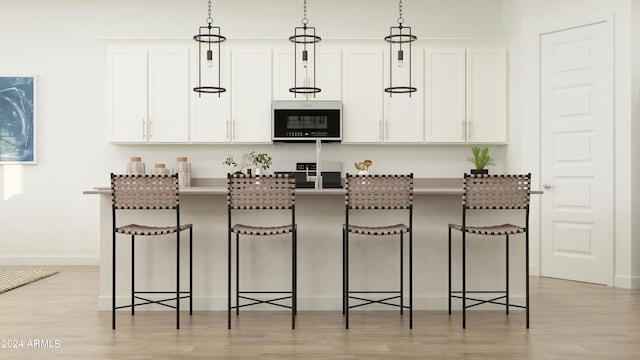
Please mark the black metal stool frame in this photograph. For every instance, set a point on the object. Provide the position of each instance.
(276, 192)
(150, 192)
(405, 203)
(517, 197)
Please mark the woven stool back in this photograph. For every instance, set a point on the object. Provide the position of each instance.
(379, 191)
(261, 192)
(496, 191)
(145, 191)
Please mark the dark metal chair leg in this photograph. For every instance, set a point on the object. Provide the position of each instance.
(133, 277)
(464, 281)
(113, 282)
(401, 273)
(346, 279)
(506, 288)
(229, 281)
(178, 280)
(411, 279)
(449, 271)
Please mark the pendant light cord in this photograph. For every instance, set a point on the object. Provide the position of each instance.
(305, 21)
(209, 19)
(400, 19)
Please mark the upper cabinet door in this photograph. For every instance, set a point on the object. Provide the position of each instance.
(211, 113)
(362, 96)
(148, 94)
(444, 93)
(404, 115)
(127, 94)
(251, 95)
(466, 95)
(328, 75)
(487, 95)
(169, 93)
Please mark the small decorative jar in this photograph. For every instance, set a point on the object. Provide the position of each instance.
(159, 169)
(135, 166)
(183, 169)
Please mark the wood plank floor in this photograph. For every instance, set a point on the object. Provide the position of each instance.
(56, 318)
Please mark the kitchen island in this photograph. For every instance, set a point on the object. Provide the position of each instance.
(319, 215)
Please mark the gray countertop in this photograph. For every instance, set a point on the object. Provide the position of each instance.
(218, 186)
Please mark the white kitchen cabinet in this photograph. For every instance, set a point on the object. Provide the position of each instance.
(211, 113)
(403, 114)
(242, 114)
(362, 96)
(251, 95)
(148, 94)
(466, 95)
(328, 75)
(370, 115)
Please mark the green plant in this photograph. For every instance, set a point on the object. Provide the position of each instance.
(262, 159)
(481, 157)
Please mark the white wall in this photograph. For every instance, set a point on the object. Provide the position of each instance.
(46, 219)
(541, 16)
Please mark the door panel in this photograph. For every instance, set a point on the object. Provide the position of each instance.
(577, 153)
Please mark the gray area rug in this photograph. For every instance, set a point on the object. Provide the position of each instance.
(11, 279)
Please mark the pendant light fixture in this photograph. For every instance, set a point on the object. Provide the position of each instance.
(304, 40)
(209, 35)
(398, 36)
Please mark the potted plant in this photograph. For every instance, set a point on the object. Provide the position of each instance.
(261, 160)
(480, 160)
(250, 160)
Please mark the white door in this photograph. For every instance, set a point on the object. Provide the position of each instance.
(577, 153)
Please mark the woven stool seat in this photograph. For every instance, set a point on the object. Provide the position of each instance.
(143, 230)
(504, 229)
(377, 230)
(261, 230)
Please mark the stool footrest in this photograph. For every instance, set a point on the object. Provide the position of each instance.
(267, 301)
(383, 301)
(486, 301)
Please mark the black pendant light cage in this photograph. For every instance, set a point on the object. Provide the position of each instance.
(207, 37)
(304, 36)
(398, 36)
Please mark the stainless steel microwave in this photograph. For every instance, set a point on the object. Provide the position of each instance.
(304, 121)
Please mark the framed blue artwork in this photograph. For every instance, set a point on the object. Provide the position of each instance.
(17, 119)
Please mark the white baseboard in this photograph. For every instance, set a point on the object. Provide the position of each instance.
(627, 282)
(49, 260)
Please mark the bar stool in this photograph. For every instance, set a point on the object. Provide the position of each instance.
(267, 192)
(149, 192)
(492, 192)
(378, 192)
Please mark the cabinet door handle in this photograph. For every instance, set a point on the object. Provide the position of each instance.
(462, 129)
(144, 130)
(228, 134)
(233, 130)
(386, 133)
(149, 128)
(469, 129)
(381, 130)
